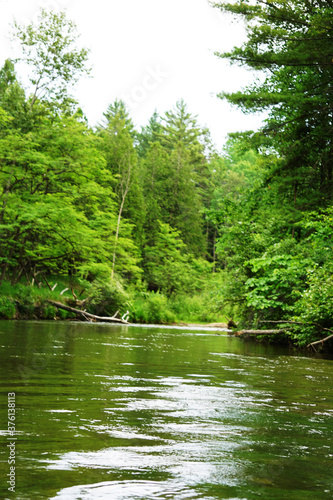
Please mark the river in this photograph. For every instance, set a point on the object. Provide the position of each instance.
(98, 411)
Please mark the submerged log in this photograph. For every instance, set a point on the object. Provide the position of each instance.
(88, 316)
(259, 332)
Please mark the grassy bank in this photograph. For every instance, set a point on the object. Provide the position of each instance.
(150, 307)
(30, 301)
(23, 301)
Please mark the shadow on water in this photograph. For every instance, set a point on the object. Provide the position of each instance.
(124, 412)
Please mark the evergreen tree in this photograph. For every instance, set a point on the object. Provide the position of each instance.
(149, 134)
(268, 241)
(292, 43)
(183, 176)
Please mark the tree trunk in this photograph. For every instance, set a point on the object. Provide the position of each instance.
(124, 194)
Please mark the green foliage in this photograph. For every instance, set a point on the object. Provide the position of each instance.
(149, 135)
(7, 308)
(194, 309)
(151, 307)
(105, 299)
(315, 305)
(175, 172)
(117, 144)
(47, 311)
(157, 222)
(272, 212)
(169, 268)
(25, 302)
(291, 41)
(49, 51)
(49, 210)
(277, 280)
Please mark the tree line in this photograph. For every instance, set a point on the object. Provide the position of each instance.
(158, 212)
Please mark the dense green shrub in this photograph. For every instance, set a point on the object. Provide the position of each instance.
(7, 308)
(25, 301)
(46, 311)
(275, 284)
(315, 307)
(151, 307)
(108, 298)
(195, 309)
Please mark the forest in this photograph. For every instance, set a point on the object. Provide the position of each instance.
(156, 223)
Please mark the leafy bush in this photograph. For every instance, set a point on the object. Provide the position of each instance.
(108, 298)
(7, 308)
(150, 307)
(195, 309)
(315, 307)
(25, 301)
(46, 311)
(276, 284)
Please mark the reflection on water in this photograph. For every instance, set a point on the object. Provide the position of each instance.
(115, 412)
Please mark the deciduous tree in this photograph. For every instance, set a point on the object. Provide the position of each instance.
(50, 52)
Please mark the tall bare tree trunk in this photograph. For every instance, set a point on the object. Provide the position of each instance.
(125, 185)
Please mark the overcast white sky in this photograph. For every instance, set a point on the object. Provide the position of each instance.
(149, 53)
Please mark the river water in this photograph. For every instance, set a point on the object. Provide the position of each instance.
(140, 413)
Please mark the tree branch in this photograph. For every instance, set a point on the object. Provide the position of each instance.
(300, 323)
(86, 315)
(259, 332)
(320, 341)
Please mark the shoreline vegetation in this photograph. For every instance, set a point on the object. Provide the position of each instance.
(62, 300)
(156, 224)
(29, 302)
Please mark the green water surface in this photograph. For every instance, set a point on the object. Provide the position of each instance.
(124, 412)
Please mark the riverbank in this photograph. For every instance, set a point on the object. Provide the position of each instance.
(58, 300)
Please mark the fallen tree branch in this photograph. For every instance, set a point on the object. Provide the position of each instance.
(299, 323)
(259, 332)
(87, 316)
(282, 321)
(320, 341)
(312, 344)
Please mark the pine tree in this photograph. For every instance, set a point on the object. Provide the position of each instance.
(290, 43)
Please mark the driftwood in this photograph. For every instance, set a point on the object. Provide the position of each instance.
(87, 316)
(259, 332)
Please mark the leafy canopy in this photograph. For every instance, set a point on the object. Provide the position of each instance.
(49, 50)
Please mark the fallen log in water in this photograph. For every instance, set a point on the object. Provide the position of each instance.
(259, 332)
(88, 316)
